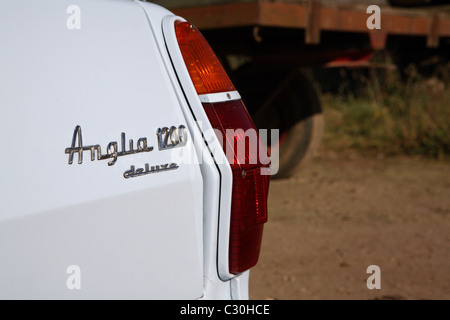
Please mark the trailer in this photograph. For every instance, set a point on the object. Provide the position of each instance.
(265, 45)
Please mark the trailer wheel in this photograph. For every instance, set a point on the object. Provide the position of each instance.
(284, 100)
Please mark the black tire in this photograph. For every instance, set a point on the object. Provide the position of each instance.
(284, 100)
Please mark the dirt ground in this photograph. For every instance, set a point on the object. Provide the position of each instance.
(341, 214)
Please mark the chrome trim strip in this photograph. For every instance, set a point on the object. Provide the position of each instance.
(219, 97)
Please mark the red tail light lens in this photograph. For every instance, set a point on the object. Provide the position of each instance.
(250, 187)
(240, 138)
(248, 215)
(246, 154)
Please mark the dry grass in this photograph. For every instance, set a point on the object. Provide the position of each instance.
(392, 116)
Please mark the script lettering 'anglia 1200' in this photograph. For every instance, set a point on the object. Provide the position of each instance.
(168, 138)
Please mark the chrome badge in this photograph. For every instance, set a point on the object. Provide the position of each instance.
(111, 151)
(168, 138)
(133, 172)
(172, 137)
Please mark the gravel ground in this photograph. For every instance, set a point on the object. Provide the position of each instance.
(341, 214)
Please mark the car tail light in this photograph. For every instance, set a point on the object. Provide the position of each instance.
(249, 164)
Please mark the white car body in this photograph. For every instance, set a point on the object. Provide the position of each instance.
(158, 236)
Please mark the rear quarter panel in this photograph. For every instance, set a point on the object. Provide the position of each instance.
(131, 238)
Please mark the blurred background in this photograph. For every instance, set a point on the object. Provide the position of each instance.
(364, 120)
